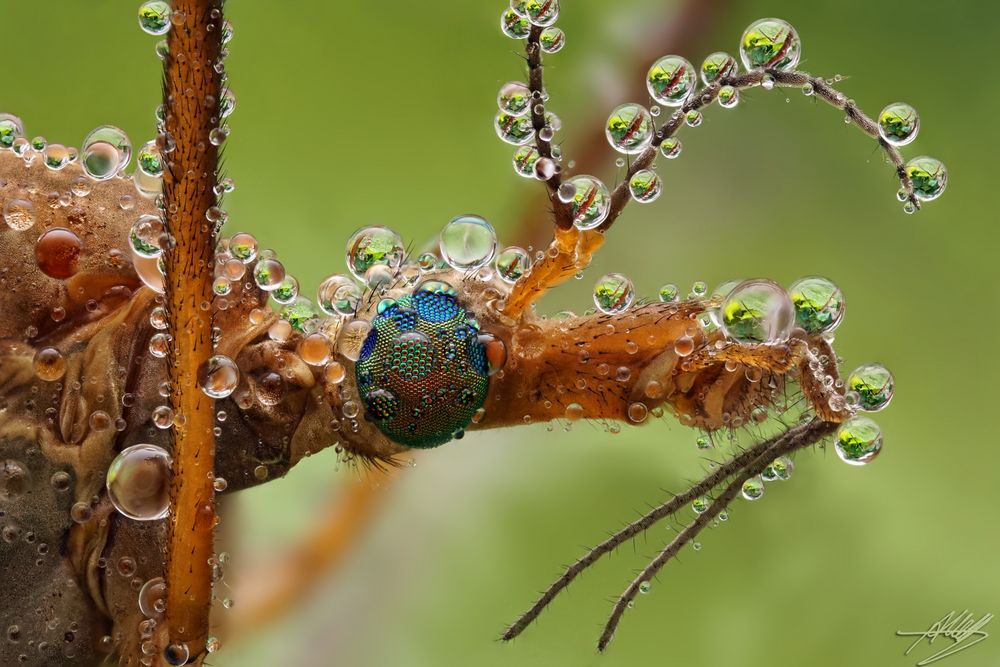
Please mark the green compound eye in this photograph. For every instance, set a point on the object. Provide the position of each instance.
(423, 371)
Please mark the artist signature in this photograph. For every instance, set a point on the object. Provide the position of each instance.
(961, 628)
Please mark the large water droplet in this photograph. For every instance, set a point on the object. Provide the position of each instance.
(219, 376)
(154, 17)
(49, 364)
(929, 177)
(874, 385)
(106, 151)
(19, 214)
(671, 80)
(57, 252)
(514, 98)
(613, 293)
(645, 186)
(753, 488)
(819, 304)
(718, 65)
(770, 43)
(590, 202)
(539, 12)
(512, 262)
(757, 311)
(153, 598)
(138, 482)
(552, 40)
(11, 128)
(516, 130)
(898, 123)
(338, 295)
(858, 441)
(374, 246)
(269, 274)
(514, 26)
(144, 237)
(149, 160)
(629, 129)
(468, 242)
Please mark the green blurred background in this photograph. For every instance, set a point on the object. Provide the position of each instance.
(380, 113)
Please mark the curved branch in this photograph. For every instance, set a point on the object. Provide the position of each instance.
(785, 78)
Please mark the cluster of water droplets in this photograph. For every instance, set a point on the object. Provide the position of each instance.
(760, 312)
(768, 44)
(518, 104)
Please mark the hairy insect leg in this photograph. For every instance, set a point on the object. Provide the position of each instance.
(637, 527)
(792, 440)
(730, 476)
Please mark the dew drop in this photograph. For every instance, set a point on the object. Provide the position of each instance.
(757, 312)
(49, 364)
(613, 293)
(11, 129)
(374, 246)
(770, 43)
(57, 252)
(753, 488)
(539, 12)
(154, 17)
(138, 482)
(645, 186)
(858, 441)
(512, 263)
(718, 65)
(898, 123)
(670, 148)
(874, 386)
(819, 304)
(468, 242)
(629, 129)
(153, 598)
(590, 202)
(106, 151)
(219, 376)
(671, 80)
(552, 40)
(338, 295)
(515, 130)
(929, 177)
(514, 26)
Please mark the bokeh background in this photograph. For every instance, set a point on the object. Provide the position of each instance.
(352, 114)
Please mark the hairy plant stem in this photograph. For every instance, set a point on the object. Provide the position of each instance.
(192, 89)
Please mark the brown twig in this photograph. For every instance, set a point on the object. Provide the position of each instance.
(533, 49)
(678, 30)
(192, 89)
(621, 196)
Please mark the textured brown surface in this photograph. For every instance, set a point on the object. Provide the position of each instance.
(192, 90)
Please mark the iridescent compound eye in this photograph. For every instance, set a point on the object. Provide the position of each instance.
(423, 371)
